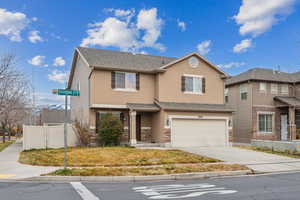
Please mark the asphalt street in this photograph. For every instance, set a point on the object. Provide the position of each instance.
(264, 187)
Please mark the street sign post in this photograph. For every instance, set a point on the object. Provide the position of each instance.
(66, 93)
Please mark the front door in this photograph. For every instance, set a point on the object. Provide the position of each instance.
(284, 127)
(138, 127)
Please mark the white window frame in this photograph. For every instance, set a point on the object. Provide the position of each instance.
(201, 88)
(243, 89)
(287, 87)
(273, 86)
(273, 122)
(262, 87)
(226, 91)
(125, 89)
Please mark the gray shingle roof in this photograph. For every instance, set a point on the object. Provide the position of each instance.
(194, 107)
(292, 101)
(264, 75)
(117, 60)
(143, 107)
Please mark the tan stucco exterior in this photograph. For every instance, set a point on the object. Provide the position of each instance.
(102, 93)
(164, 86)
(169, 84)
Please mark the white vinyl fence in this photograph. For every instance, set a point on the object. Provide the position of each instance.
(42, 137)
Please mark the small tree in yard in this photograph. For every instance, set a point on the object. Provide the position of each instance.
(110, 130)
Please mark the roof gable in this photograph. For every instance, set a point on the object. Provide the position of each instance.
(200, 57)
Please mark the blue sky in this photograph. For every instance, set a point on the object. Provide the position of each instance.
(236, 35)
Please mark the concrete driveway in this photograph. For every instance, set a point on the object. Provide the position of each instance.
(257, 161)
(10, 168)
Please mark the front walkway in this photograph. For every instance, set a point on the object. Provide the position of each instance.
(10, 168)
(257, 161)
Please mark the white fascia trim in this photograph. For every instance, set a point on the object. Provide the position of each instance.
(83, 58)
(193, 75)
(125, 90)
(108, 106)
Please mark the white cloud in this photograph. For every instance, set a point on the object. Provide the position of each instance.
(204, 47)
(258, 16)
(34, 37)
(59, 61)
(12, 24)
(181, 25)
(38, 61)
(148, 21)
(126, 34)
(231, 65)
(243, 46)
(58, 76)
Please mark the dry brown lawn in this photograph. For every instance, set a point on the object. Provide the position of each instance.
(110, 156)
(146, 171)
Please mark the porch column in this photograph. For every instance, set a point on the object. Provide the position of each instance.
(292, 125)
(132, 115)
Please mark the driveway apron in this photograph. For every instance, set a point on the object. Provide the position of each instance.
(257, 161)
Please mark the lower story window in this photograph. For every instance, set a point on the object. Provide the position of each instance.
(265, 123)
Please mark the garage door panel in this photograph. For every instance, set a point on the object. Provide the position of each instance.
(190, 132)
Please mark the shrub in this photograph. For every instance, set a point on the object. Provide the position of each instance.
(82, 132)
(110, 130)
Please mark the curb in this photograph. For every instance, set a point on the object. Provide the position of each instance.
(113, 179)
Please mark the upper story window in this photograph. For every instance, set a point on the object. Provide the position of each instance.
(226, 95)
(285, 89)
(274, 88)
(125, 81)
(193, 84)
(243, 91)
(263, 87)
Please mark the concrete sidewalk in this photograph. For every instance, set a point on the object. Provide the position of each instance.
(260, 162)
(10, 168)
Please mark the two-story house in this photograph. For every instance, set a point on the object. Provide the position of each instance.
(170, 101)
(266, 104)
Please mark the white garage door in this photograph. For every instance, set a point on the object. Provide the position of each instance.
(197, 133)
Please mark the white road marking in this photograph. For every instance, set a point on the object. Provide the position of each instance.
(83, 191)
(179, 191)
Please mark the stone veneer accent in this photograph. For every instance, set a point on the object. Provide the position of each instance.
(146, 134)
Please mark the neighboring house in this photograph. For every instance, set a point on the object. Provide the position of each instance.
(53, 116)
(177, 102)
(266, 104)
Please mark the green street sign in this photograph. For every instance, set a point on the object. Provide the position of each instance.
(66, 92)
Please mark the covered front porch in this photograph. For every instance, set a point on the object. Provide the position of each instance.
(137, 120)
(289, 110)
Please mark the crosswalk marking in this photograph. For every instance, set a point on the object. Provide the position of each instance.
(83, 191)
(179, 191)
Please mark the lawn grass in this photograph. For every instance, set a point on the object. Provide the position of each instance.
(6, 144)
(110, 156)
(146, 171)
(266, 150)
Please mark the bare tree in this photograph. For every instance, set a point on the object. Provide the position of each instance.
(14, 89)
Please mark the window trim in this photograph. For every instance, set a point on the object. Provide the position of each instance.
(273, 91)
(246, 91)
(273, 121)
(265, 90)
(125, 89)
(194, 76)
